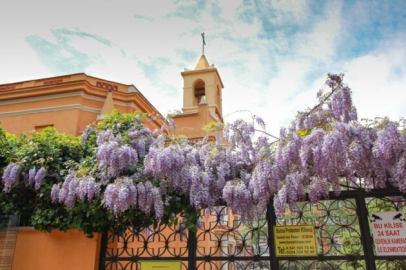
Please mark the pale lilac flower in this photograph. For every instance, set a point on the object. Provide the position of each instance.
(11, 175)
(86, 134)
(158, 203)
(55, 193)
(279, 202)
(318, 189)
(31, 175)
(39, 176)
(145, 199)
(104, 137)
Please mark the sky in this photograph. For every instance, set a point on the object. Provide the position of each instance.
(272, 56)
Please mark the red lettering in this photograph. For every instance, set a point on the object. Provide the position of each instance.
(392, 233)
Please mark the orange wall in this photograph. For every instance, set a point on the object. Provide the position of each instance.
(190, 125)
(64, 121)
(36, 250)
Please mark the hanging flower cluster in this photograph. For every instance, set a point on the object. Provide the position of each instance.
(11, 175)
(327, 148)
(13, 172)
(75, 189)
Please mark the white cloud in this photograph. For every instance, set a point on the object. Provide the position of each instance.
(291, 11)
(272, 75)
(321, 43)
(378, 81)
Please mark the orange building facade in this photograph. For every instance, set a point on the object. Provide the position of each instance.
(70, 103)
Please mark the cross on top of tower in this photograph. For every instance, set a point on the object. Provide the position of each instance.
(204, 43)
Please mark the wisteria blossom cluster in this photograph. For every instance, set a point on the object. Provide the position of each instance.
(326, 148)
(75, 189)
(117, 175)
(13, 172)
(113, 156)
(11, 175)
(123, 194)
(249, 191)
(196, 170)
(35, 177)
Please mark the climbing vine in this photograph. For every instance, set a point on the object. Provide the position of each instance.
(119, 173)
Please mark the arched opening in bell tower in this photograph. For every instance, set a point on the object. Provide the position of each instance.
(200, 91)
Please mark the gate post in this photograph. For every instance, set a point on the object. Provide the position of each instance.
(192, 249)
(271, 218)
(366, 238)
(103, 249)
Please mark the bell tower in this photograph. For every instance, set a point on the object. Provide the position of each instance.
(202, 100)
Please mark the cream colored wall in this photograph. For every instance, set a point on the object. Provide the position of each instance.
(212, 83)
(189, 99)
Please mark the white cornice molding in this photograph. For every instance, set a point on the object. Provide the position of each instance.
(52, 109)
(47, 97)
(65, 95)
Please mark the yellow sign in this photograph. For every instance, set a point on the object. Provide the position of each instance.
(161, 265)
(291, 241)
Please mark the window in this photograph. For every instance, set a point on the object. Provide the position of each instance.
(41, 128)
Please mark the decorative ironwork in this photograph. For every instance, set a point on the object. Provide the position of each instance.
(224, 242)
(336, 224)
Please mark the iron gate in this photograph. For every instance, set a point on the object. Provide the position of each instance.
(223, 241)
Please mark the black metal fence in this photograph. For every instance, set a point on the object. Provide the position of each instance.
(224, 242)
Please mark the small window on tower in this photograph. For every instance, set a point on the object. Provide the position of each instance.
(41, 128)
(200, 91)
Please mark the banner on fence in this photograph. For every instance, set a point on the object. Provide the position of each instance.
(389, 230)
(295, 241)
(161, 265)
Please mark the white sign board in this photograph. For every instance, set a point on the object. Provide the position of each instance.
(389, 230)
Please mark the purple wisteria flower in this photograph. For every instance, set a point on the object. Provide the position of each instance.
(11, 175)
(75, 189)
(31, 175)
(120, 195)
(39, 176)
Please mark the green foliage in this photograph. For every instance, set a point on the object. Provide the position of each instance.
(120, 122)
(213, 127)
(58, 154)
(48, 149)
(303, 132)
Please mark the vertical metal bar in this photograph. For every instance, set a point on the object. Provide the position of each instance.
(271, 217)
(192, 249)
(366, 238)
(103, 249)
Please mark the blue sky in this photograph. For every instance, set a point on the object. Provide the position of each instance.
(276, 52)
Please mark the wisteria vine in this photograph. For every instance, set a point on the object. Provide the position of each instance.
(326, 148)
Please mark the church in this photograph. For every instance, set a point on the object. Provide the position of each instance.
(71, 102)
